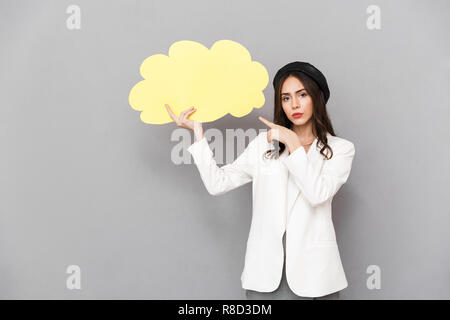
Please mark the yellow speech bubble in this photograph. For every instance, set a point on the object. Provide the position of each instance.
(217, 81)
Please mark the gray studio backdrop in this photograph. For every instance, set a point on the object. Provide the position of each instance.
(85, 183)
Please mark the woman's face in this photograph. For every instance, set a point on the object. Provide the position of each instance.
(295, 99)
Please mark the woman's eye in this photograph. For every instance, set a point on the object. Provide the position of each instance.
(302, 95)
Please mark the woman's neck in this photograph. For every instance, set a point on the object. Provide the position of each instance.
(304, 132)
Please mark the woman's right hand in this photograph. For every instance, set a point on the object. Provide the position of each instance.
(184, 122)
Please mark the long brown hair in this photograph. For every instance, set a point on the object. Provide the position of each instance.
(321, 121)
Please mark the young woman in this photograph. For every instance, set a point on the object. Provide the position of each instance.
(293, 187)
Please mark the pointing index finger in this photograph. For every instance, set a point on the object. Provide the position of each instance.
(267, 122)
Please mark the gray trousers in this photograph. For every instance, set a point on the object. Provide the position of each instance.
(283, 292)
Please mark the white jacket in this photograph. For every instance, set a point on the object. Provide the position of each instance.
(292, 194)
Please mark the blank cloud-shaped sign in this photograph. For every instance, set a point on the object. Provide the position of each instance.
(217, 81)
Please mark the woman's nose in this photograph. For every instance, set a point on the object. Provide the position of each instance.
(296, 102)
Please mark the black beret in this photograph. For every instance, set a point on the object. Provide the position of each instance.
(307, 69)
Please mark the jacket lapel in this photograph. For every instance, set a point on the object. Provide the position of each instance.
(292, 190)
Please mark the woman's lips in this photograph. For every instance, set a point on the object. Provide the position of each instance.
(297, 115)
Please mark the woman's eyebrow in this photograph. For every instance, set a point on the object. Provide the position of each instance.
(295, 92)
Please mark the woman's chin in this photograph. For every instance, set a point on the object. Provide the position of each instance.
(298, 122)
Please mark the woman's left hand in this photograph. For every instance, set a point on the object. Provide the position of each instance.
(280, 133)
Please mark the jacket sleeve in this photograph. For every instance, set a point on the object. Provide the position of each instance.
(319, 185)
(230, 176)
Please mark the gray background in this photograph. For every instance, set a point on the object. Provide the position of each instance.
(85, 182)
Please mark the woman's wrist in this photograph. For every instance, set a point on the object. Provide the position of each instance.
(198, 131)
(199, 137)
